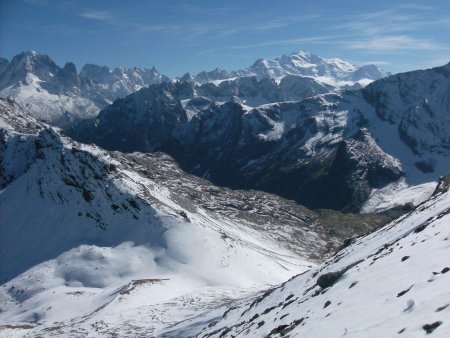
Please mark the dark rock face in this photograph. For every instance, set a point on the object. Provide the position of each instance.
(320, 151)
(443, 184)
(231, 153)
(254, 91)
(152, 115)
(3, 64)
(266, 148)
(418, 102)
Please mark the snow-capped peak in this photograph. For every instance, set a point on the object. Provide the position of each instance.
(61, 95)
(333, 71)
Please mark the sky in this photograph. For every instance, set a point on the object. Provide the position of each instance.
(189, 36)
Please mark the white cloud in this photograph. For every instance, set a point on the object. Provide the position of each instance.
(392, 30)
(330, 39)
(392, 43)
(436, 62)
(36, 2)
(96, 15)
(375, 62)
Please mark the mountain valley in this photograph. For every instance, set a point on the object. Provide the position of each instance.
(300, 196)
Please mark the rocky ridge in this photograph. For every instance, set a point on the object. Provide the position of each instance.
(356, 140)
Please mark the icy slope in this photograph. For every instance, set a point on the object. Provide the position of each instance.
(98, 242)
(393, 282)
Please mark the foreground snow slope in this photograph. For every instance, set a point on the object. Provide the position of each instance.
(97, 242)
(394, 282)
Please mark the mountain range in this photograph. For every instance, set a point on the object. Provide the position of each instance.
(300, 196)
(61, 95)
(335, 72)
(391, 133)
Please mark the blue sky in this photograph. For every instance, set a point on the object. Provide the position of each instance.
(180, 36)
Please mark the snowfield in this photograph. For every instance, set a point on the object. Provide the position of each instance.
(394, 282)
(89, 237)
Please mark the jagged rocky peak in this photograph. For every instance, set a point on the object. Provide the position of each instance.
(36, 63)
(187, 78)
(69, 74)
(45, 68)
(26, 63)
(60, 96)
(152, 75)
(70, 68)
(3, 64)
(96, 73)
(213, 75)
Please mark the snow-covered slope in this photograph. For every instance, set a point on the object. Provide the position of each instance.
(394, 282)
(60, 95)
(334, 72)
(103, 243)
(53, 94)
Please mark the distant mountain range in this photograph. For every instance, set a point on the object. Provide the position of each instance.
(335, 72)
(61, 95)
